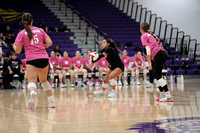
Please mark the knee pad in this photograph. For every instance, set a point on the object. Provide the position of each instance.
(97, 74)
(132, 73)
(31, 84)
(125, 74)
(52, 76)
(85, 75)
(162, 82)
(113, 82)
(104, 85)
(46, 86)
(60, 75)
(64, 74)
(137, 72)
(89, 75)
(72, 73)
(145, 71)
(76, 75)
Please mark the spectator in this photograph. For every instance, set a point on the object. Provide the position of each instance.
(1, 64)
(9, 34)
(2, 40)
(57, 51)
(15, 67)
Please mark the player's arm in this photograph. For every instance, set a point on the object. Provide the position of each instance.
(48, 42)
(147, 52)
(17, 48)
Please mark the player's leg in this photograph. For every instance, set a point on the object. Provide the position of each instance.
(137, 75)
(60, 76)
(125, 76)
(63, 72)
(46, 86)
(120, 80)
(89, 74)
(145, 75)
(96, 76)
(71, 77)
(76, 72)
(52, 72)
(132, 70)
(84, 83)
(101, 74)
(32, 73)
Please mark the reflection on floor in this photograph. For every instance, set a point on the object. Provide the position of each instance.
(134, 110)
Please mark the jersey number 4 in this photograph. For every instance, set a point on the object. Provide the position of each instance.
(35, 40)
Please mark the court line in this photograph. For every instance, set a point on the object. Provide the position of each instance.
(32, 116)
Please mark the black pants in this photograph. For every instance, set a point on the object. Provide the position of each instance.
(159, 61)
(17, 71)
(151, 72)
(6, 82)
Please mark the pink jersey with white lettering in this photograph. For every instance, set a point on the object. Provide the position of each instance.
(35, 48)
(87, 61)
(148, 39)
(126, 60)
(103, 62)
(55, 62)
(66, 62)
(24, 63)
(138, 60)
(78, 62)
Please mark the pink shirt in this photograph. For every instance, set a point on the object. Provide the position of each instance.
(148, 39)
(66, 62)
(103, 62)
(126, 60)
(54, 61)
(24, 63)
(138, 60)
(35, 48)
(78, 62)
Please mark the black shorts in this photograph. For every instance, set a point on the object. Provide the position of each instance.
(113, 68)
(90, 71)
(39, 63)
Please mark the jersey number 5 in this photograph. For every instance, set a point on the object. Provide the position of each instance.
(35, 40)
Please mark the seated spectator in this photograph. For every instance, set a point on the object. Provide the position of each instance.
(15, 67)
(126, 60)
(103, 66)
(55, 68)
(1, 65)
(91, 70)
(78, 62)
(139, 65)
(9, 34)
(66, 67)
(2, 40)
(57, 51)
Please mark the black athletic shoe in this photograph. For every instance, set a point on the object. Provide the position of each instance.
(76, 83)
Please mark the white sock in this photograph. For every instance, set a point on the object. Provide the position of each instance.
(50, 99)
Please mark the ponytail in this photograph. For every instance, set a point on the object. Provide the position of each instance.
(145, 28)
(113, 45)
(26, 20)
(157, 39)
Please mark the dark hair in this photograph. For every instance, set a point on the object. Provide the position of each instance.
(89, 50)
(125, 50)
(145, 28)
(26, 20)
(113, 45)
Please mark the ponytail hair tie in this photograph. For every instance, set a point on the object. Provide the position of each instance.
(26, 22)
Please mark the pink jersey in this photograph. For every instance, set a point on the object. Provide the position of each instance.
(24, 63)
(148, 39)
(55, 62)
(78, 62)
(66, 62)
(103, 62)
(35, 48)
(126, 60)
(138, 60)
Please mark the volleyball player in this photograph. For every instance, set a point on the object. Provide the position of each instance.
(111, 52)
(37, 63)
(154, 49)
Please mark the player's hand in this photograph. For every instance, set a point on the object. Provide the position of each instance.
(150, 67)
(11, 72)
(90, 64)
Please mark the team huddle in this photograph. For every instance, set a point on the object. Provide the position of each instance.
(107, 60)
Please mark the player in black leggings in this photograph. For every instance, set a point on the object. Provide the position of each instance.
(111, 53)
